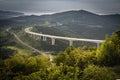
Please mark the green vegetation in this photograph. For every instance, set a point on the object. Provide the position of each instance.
(40, 44)
(9, 45)
(18, 62)
(72, 64)
(5, 40)
(93, 72)
(19, 50)
(109, 53)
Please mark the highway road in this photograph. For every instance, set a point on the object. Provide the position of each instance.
(28, 30)
(25, 44)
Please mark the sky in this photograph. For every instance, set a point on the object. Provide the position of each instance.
(55, 6)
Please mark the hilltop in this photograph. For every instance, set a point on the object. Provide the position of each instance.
(9, 14)
(80, 24)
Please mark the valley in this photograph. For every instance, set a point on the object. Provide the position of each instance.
(61, 47)
(78, 24)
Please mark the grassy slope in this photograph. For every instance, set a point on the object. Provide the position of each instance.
(41, 45)
(8, 41)
(19, 50)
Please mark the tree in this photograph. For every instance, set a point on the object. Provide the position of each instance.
(69, 57)
(93, 72)
(76, 57)
(21, 65)
(109, 52)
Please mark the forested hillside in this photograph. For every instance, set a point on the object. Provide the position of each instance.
(9, 45)
(80, 23)
(9, 14)
(80, 63)
(83, 61)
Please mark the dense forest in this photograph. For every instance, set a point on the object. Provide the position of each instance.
(74, 63)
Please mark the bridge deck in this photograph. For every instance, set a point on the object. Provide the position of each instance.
(27, 30)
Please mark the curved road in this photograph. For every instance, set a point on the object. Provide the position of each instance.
(28, 30)
(43, 53)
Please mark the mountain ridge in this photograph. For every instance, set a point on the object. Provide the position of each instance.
(9, 14)
(83, 23)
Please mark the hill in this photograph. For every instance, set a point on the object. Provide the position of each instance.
(113, 18)
(70, 64)
(18, 62)
(9, 14)
(80, 23)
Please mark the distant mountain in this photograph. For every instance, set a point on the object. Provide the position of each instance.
(85, 17)
(113, 18)
(9, 14)
(81, 17)
(80, 23)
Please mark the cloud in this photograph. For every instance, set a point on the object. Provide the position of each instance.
(44, 6)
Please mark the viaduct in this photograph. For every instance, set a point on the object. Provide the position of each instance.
(53, 38)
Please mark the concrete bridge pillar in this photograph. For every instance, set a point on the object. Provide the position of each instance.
(53, 41)
(70, 42)
(35, 37)
(44, 38)
(39, 37)
(98, 45)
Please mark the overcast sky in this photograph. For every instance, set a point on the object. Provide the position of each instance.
(52, 6)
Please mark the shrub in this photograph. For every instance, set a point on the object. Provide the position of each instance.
(93, 72)
(109, 52)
